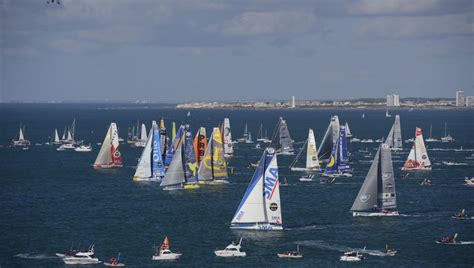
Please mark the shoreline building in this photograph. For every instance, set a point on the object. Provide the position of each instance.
(470, 101)
(460, 99)
(393, 100)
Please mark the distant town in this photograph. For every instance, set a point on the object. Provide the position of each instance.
(391, 101)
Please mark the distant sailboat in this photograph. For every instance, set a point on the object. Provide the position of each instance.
(150, 165)
(173, 130)
(394, 138)
(227, 139)
(200, 142)
(418, 157)
(245, 136)
(431, 139)
(281, 140)
(249, 140)
(261, 136)
(213, 166)
(109, 155)
(164, 138)
(447, 137)
(329, 139)
(174, 145)
(363, 116)
(338, 163)
(348, 131)
(56, 140)
(312, 161)
(260, 208)
(21, 142)
(377, 195)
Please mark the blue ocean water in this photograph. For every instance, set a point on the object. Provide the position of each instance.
(50, 200)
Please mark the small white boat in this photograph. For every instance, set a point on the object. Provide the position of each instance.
(367, 141)
(164, 253)
(291, 254)
(448, 240)
(410, 140)
(258, 146)
(83, 148)
(307, 178)
(114, 262)
(379, 140)
(355, 140)
(461, 215)
(469, 182)
(232, 250)
(352, 256)
(389, 251)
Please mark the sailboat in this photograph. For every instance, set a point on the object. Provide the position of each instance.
(141, 142)
(249, 140)
(213, 166)
(174, 144)
(394, 138)
(150, 165)
(245, 136)
(338, 164)
(21, 142)
(312, 161)
(180, 173)
(260, 208)
(109, 155)
(261, 136)
(431, 139)
(56, 140)
(281, 140)
(387, 114)
(164, 138)
(348, 131)
(363, 116)
(418, 157)
(200, 142)
(377, 195)
(227, 139)
(447, 137)
(329, 139)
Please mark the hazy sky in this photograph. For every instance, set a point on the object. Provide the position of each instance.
(173, 51)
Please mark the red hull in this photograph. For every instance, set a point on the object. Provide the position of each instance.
(116, 165)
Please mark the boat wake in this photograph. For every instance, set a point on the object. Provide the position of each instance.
(305, 227)
(323, 245)
(466, 242)
(35, 256)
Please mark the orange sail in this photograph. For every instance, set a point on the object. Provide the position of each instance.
(166, 244)
(200, 144)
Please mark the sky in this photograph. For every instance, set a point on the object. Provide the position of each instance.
(206, 50)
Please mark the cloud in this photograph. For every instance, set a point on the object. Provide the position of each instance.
(254, 23)
(418, 27)
(408, 7)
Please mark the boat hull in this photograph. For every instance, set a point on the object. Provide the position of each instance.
(191, 186)
(337, 175)
(147, 179)
(227, 254)
(256, 226)
(167, 257)
(416, 169)
(375, 214)
(305, 169)
(74, 261)
(108, 166)
(214, 182)
(289, 256)
(114, 265)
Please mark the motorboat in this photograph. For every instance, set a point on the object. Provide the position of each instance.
(114, 262)
(448, 240)
(307, 178)
(80, 257)
(355, 140)
(469, 182)
(164, 253)
(232, 250)
(352, 256)
(461, 215)
(291, 254)
(389, 251)
(83, 148)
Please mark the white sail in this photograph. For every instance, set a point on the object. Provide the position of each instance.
(228, 146)
(69, 136)
(143, 136)
(105, 154)
(418, 158)
(64, 134)
(312, 161)
(144, 164)
(272, 193)
(56, 136)
(348, 131)
(21, 137)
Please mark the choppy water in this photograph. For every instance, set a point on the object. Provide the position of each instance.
(51, 199)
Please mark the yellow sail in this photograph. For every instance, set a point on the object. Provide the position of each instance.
(173, 131)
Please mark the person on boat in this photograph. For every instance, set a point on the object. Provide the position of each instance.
(113, 261)
(460, 214)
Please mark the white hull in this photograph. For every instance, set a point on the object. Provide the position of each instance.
(375, 214)
(417, 169)
(214, 182)
(350, 259)
(305, 169)
(289, 256)
(227, 254)
(152, 179)
(257, 226)
(167, 257)
(337, 175)
(75, 260)
(114, 265)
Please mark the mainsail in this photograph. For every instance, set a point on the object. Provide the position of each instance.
(330, 138)
(338, 162)
(163, 138)
(189, 156)
(150, 166)
(143, 136)
(200, 142)
(175, 175)
(173, 147)
(378, 190)
(394, 138)
(228, 146)
(418, 156)
(348, 131)
(56, 136)
(260, 207)
(281, 140)
(213, 166)
(312, 161)
(109, 155)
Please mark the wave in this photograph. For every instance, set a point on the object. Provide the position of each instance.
(35, 256)
(305, 227)
(323, 245)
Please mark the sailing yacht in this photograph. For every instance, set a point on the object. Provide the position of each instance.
(338, 163)
(260, 208)
(249, 140)
(21, 142)
(109, 155)
(261, 136)
(141, 142)
(56, 140)
(447, 137)
(213, 166)
(418, 157)
(245, 136)
(281, 140)
(348, 131)
(227, 139)
(431, 139)
(394, 138)
(377, 195)
(330, 137)
(150, 165)
(312, 161)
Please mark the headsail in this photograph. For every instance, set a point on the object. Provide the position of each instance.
(143, 136)
(109, 155)
(312, 161)
(348, 130)
(175, 174)
(56, 136)
(329, 139)
(281, 140)
(394, 138)
(173, 147)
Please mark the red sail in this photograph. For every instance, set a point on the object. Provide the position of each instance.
(116, 155)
